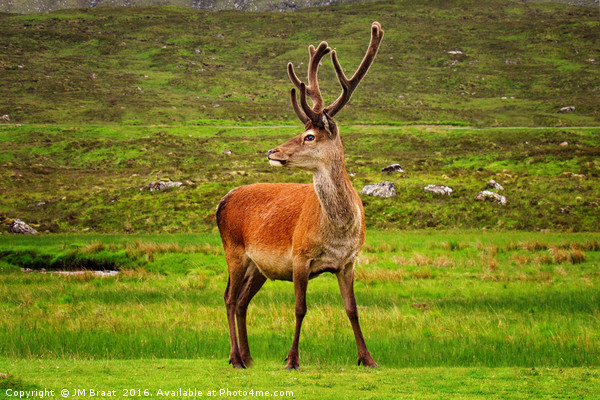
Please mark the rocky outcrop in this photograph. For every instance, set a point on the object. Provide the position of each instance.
(392, 168)
(380, 189)
(492, 184)
(18, 226)
(439, 189)
(486, 195)
(160, 185)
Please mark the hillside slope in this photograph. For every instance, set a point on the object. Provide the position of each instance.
(37, 6)
(484, 63)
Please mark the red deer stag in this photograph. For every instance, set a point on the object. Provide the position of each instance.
(295, 232)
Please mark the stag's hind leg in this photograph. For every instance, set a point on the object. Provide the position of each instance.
(252, 284)
(346, 283)
(238, 265)
(301, 274)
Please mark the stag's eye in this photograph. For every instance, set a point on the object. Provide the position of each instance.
(309, 138)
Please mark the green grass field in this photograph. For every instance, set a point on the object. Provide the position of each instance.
(467, 315)
(157, 377)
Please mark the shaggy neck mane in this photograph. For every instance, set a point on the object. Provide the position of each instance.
(336, 193)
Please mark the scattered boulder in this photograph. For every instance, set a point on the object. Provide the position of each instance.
(392, 168)
(18, 226)
(5, 117)
(380, 189)
(226, 152)
(569, 174)
(439, 189)
(566, 109)
(563, 144)
(492, 184)
(160, 185)
(486, 195)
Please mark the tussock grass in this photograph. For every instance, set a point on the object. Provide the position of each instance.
(379, 275)
(421, 260)
(449, 246)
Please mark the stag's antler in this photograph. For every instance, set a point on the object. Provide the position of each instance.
(349, 85)
(314, 113)
(312, 90)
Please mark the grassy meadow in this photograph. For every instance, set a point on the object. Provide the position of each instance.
(513, 314)
(458, 298)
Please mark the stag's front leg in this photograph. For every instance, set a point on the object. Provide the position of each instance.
(301, 273)
(346, 283)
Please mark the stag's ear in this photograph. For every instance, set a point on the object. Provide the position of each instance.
(329, 125)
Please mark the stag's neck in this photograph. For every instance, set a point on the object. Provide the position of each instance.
(339, 200)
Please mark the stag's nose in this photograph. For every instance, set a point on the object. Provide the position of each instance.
(270, 152)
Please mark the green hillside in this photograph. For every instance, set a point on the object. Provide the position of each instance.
(99, 103)
(520, 64)
(34, 6)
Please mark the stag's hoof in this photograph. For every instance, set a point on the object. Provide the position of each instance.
(248, 361)
(292, 363)
(238, 364)
(368, 362)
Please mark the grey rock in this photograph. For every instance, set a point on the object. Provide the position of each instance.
(18, 226)
(566, 109)
(380, 189)
(393, 168)
(160, 185)
(439, 189)
(492, 184)
(486, 195)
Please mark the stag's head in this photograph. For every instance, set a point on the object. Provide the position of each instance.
(320, 142)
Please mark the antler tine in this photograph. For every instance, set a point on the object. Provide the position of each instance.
(310, 113)
(303, 117)
(349, 85)
(312, 90)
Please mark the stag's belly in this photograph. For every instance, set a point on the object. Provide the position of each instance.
(277, 264)
(273, 264)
